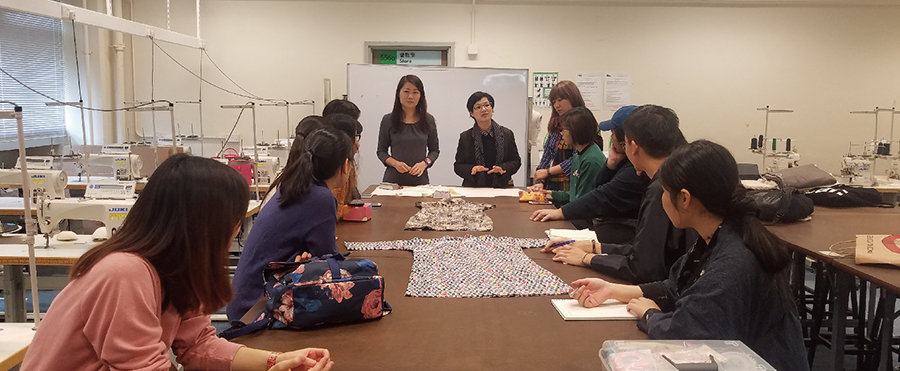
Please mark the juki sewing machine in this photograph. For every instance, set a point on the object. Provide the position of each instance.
(107, 203)
(51, 183)
(268, 167)
(125, 165)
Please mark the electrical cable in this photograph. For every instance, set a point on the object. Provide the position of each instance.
(77, 69)
(76, 105)
(229, 78)
(207, 81)
(225, 142)
(152, 68)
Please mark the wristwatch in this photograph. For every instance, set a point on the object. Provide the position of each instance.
(428, 161)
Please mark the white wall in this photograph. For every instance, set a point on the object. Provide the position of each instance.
(712, 65)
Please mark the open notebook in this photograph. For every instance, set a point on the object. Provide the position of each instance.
(611, 309)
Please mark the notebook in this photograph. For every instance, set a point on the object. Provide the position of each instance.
(612, 309)
(572, 234)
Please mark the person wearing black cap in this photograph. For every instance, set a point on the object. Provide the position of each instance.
(651, 134)
(611, 208)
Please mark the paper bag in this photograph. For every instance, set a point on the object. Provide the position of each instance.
(878, 249)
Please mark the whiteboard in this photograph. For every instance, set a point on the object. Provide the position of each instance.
(371, 87)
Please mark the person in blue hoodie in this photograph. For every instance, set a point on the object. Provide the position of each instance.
(732, 284)
(300, 221)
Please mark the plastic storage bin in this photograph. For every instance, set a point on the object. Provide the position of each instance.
(647, 355)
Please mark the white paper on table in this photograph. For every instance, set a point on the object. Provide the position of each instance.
(486, 192)
(572, 234)
(611, 309)
(616, 91)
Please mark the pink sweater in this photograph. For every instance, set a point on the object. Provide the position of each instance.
(110, 319)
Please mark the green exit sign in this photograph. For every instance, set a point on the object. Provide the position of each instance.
(387, 57)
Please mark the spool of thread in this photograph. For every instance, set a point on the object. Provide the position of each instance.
(787, 144)
(884, 149)
(774, 144)
(761, 142)
(753, 143)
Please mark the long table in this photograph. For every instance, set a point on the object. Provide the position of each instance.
(520, 333)
(830, 226)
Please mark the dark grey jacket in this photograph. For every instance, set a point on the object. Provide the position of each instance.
(465, 158)
(657, 244)
(733, 299)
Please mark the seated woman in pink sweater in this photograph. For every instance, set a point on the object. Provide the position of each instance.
(152, 286)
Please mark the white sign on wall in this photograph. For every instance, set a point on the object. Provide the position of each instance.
(419, 57)
(616, 91)
(589, 85)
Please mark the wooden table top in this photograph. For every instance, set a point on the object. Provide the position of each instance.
(829, 226)
(521, 333)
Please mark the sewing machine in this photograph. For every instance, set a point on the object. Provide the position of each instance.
(859, 170)
(267, 169)
(51, 212)
(783, 153)
(281, 149)
(49, 182)
(894, 172)
(38, 163)
(125, 165)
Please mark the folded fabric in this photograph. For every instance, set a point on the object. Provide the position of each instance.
(806, 176)
(532, 196)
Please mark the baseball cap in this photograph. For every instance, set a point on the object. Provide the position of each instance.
(617, 119)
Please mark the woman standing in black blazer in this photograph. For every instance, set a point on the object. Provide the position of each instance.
(487, 155)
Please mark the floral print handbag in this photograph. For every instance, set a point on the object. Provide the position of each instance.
(320, 291)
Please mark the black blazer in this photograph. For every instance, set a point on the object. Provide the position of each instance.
(465, 158)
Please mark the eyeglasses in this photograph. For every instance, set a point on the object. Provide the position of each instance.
(481, 107)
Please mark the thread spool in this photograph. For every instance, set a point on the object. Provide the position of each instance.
(884, 149)
(787, 144)
(753, 143)
(774, 144)
(761, 141)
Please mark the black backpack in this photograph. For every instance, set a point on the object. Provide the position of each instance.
(842, 195)
(786, 205)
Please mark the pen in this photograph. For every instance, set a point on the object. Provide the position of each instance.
(560, 243)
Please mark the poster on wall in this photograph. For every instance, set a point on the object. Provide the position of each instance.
(616, 91)
(543, 82)
(589, 85)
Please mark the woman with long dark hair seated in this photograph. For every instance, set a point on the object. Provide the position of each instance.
(152, 286)
(732, 284)
(301, 219)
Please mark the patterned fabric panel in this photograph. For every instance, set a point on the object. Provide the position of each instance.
(455, 214)
(472, 267)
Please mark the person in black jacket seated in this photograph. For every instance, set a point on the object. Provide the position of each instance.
(733, 284)
(611, 208)
(651, 134)
(487, 155)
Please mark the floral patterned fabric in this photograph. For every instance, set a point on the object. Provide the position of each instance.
(455, 214)
(472, 267)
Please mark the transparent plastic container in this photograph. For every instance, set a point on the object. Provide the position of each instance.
(647, 355)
